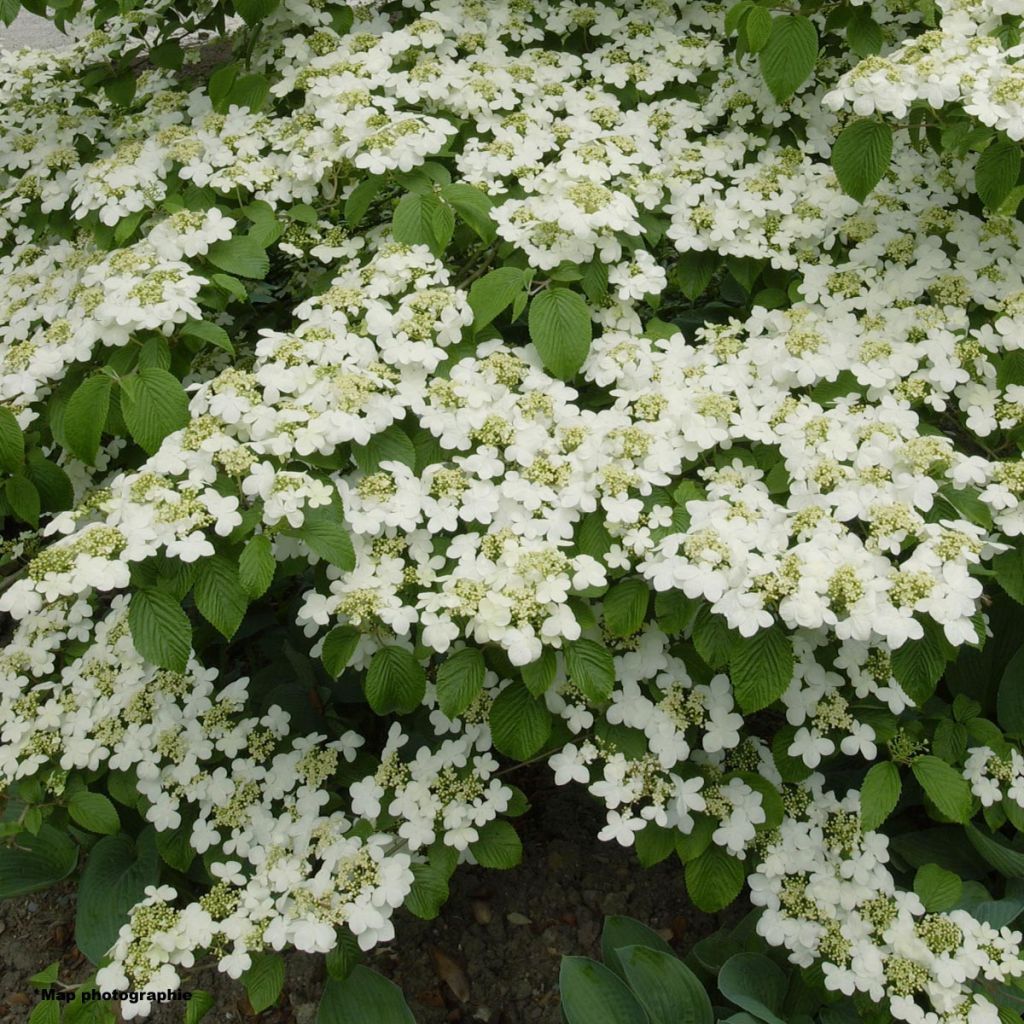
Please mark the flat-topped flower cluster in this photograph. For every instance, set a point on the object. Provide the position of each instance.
(818, 476)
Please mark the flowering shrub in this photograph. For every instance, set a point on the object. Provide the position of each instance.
(391, 395)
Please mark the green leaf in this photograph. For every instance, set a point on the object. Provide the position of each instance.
(9, 10)
(175, 846)
(422, 219)
(761, 668)
(694, 270)
(160, 629)
(256, 566)
(756, 984)
(85, 415)
(429, 891)
(918, 664)
(561, 330)
(210, 333)
(12, 442)
(250, 91)
(323, 531)
(879, 794)
(339, 646)
(625, 607)
(390, 445)
(343, 958)
(944, 785)
(620, 931)
(360, 198)
(363, 996)
(154, 404)
(540, 674)
(756, 28)
(46, 1011)
(114, 880)
(714, 879)
(997, 172)
(493, 293)
(592, 994)
(653, 844)
(499, 846)
(668, 990)
(120, 89)
(264, 980)
(198, 1006)
(253, 11)
(938, 888)
(591, 668)
(861, 156)
(219, 595)
(23, 497)
(1009, 568)
(474, 206)
(94, 812)
(1010, 699)
(36, 862)
(241, 256)
(460, 677)
(789, 56)
(864, 34)
(712, 638)
(1006, 860)
(520, 724)
(395, 681)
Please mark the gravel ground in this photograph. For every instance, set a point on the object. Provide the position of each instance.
(28, 30)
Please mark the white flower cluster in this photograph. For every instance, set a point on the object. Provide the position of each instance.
(994, 778)
(782, 467)
(828, 896)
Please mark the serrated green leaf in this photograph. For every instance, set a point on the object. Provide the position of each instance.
(36, 862)
(264, 980)
(460, 677)
(85, 415)
(879, 793)
(861, 155)
(520, 724)
(160, 629)
(474, 206)
(714, 879)
(591, 668)
(997, 172)
(422, 219)
(23, 498)
(154, 404)
(323, 531)
(256, 566)
(493, 293)
(761, 668)
(339, 646)
(944, 785)
(540, 674)
(561, 331)
(210, 333)
(625, 607)
(219, 594)
(395, 681)
(498, 846)
(789, 56)
(12, 442)
(240, 256)
(938, 888)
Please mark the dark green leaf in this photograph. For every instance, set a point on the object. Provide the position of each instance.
(561, 330)
(789, 56)
(395, 681)
(160, 629)
(520, 724)
(460, 677)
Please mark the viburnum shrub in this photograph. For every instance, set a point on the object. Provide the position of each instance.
(394, 394)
